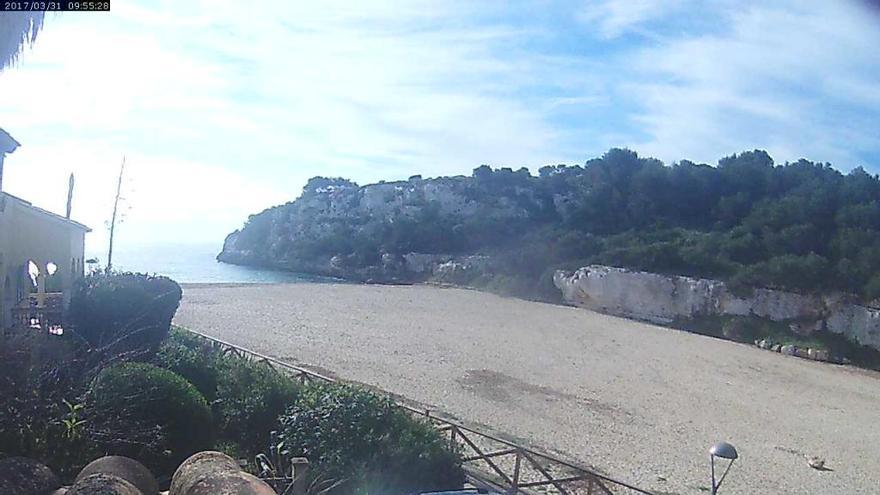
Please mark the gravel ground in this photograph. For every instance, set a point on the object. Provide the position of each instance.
(635, 401)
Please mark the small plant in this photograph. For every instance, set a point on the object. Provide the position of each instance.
(34, 386)
(73, 422)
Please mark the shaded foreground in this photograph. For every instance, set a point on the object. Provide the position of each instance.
(638, 402)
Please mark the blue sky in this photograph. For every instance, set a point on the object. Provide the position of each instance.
(224, 108)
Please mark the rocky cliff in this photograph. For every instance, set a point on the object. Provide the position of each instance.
(402, 231)
(664, 299)
(800, 227)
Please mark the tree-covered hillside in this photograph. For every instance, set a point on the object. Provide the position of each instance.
(800, 226)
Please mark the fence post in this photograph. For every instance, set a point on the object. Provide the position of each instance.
(299, 470)
(452, 432)
(515, 488)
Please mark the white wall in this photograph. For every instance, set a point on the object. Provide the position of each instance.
(27, 234)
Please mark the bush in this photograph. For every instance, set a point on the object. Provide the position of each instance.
(250, 398)
(192, 358)
(800, 273)
(124, 312)
(246, 397)
(366, 443)
(872, 288)
(148, 413)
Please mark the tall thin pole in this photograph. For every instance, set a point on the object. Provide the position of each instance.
(70, 183)
(714, 486)
(113, 220)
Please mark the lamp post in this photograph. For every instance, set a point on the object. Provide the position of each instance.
(721, 450)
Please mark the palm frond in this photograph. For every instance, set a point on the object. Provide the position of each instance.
(17, 30)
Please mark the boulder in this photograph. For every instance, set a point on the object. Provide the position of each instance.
(128, 469)
(390, 261)
(337, 262)
(423, 263)
(816, 462)
(229, 483)
(23, 476)
(776, 348)
(788, 350)
(198, 466)
(802, 352)
(451, 272)
(103, 484)
(819, 354)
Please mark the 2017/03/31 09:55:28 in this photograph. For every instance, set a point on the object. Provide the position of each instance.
(54, 5)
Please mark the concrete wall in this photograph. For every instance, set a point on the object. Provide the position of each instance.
(664, 298)
(29, 233)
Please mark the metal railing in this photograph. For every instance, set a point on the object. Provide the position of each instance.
(39, 310)
(490, 462)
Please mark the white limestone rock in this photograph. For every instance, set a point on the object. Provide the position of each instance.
(663, 298)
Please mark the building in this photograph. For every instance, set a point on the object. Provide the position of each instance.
(41, 257)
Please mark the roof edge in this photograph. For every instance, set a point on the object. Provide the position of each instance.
(54, 216)
(8, 144)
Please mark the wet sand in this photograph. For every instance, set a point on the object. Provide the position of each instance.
(638, 402)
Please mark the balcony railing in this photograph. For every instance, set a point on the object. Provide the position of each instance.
(39, 311)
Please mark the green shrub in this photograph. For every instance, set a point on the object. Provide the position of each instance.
(872, 288)
(191, 357)
(148, 413)
(124, 312)
(41, 380)
(246, 397)
(365, 442)
(250, 398)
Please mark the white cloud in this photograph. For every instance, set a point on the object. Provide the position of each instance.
(797, 81)
(613, 18)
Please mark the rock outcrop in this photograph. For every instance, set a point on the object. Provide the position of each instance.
(395, 232)
(664, 298)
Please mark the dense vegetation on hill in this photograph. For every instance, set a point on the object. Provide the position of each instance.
(799, 226)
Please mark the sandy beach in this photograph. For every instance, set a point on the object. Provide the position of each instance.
(638, 402)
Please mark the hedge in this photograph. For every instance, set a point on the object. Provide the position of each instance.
(150, 414)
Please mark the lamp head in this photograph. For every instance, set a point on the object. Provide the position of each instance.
(724, 450)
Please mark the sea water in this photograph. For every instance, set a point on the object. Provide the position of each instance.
(191, 263)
